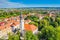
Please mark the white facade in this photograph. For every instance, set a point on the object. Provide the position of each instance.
(21, 24)
(35, 31)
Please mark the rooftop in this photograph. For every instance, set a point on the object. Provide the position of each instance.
(12, 21)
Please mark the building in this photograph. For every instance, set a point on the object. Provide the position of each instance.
(27, 21)
(21, 25)
(5, 26)
(31, 27)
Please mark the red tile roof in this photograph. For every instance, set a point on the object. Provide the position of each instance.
(2, 23)
(30, 27)
(15, 23)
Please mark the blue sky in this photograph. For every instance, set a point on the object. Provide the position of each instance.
(29, 3)
(37, 1)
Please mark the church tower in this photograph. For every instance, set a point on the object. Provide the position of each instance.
(21, 24)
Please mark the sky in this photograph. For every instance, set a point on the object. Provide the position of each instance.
(29, 3)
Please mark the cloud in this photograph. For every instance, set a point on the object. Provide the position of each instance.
(43, 5)
(7, 4)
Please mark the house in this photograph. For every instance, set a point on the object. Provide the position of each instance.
(27, 21)
(31, 27)
(41, 16)
(2, 23)
(5, 27)
(51, 14)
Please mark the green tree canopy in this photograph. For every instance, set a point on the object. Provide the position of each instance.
(47, 33)
(14, 36)
(30, 36)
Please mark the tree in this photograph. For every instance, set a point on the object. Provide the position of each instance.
(42, 12)
(14, 36)
(30, 36)
(34, 23)
(47, 33)
(58, 20)
(33, 18)
(43, 23)
(54, 24)
(58, 33)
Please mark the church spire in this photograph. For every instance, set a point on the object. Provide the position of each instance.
(21, 24)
